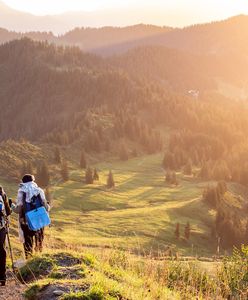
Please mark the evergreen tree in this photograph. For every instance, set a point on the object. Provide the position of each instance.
(177, 231)
(123, 153)
(95, 175)
(168, 177)
(188, 168)
(110, 180)
(89, 176)
(83, 163)
(174, 178)
(205, 171)
(43, 176)
(187, 231)
(64, 171)
(57, 155)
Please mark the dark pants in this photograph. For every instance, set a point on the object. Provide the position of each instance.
(39, 238)
(2, 255)
(29, 237)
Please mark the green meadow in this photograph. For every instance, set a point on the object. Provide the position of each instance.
(139, 214)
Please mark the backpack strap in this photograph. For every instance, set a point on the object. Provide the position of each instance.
(23, 211)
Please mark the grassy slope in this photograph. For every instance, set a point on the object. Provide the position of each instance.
(140, 213)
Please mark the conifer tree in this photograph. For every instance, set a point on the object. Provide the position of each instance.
(95, 175)
(83, 163)
(168, 177)
(187, 231)
(177, 231)
(188, 168)
(123, 153)
(57, 155)
(64, 171)
(43, 176)
(174, 178)
(110, 180)
(89, 176)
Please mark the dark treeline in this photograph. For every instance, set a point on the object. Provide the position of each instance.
(230, 227)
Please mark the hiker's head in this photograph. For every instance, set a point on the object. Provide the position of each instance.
(28, 178)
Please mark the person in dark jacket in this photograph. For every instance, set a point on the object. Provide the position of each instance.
(5, 211)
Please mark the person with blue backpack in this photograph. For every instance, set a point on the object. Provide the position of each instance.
(32, 207)
(5, 211)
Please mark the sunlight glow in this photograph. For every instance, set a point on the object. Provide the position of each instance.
(166, 12)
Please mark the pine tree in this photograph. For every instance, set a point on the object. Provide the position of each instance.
(174, 178)
(83, 163)
(110, 180)
(57, 155)
(187, 231)
(64, 171)
(168, 177)
(177, 231)
(43, 176)
(188, 168)
(95, 175)
(89, 176)
(123, 153)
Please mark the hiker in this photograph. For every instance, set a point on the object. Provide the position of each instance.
(28, 189)
(5, 211)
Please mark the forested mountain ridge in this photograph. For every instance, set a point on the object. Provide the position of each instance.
(217, 38)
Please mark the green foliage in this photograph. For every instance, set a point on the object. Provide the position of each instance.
(83, 163)
(89, 176)
(110, 180)
(36, 267)
(177, 231)
(32, 291)
(57, 156)
(64, 171)
(95, 175)
(43, 175)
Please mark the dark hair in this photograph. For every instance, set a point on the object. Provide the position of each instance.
(28, 178)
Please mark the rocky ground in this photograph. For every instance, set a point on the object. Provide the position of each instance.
(13, 289)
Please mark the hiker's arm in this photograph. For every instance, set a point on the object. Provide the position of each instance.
(43, 198)
(6, 205)
(18, 206)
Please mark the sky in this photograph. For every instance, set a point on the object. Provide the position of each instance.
(176, 12)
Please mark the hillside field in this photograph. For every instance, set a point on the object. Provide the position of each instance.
(139, 214)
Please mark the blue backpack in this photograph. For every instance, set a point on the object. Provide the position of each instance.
(36, 215)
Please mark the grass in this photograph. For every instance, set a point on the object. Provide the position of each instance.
(100, 280)
(117, 275)
(139, 214)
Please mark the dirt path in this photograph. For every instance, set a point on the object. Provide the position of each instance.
(13, 289)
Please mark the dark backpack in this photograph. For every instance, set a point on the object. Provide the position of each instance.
(35, 203)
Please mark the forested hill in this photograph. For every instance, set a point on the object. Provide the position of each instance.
(59, 94)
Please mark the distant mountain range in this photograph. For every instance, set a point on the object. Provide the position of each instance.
(218, 38)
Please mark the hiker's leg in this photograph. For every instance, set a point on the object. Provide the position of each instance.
(41, 239)
(2, 255)
(28, 238)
